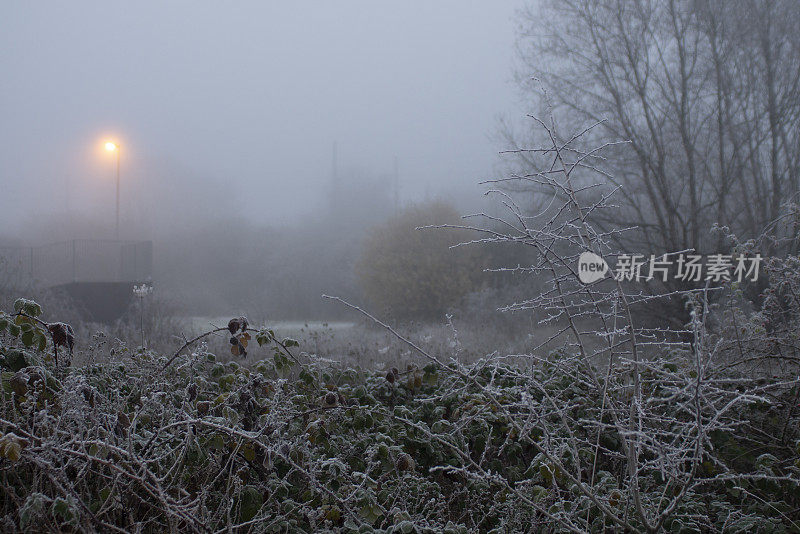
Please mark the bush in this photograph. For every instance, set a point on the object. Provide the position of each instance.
(202, 446)
(408, 272)
(631, 433)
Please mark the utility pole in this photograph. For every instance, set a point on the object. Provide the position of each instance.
(334, 170)
(396, 188)
(118, 153)
(115, 147)
(334, 202)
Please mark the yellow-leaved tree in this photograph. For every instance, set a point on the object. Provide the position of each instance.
(411, 273)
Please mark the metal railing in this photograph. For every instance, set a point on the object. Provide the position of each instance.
(78, 260)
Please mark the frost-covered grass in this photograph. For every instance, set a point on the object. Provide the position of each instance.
(594, 421)
(139, 444)
(362, 344)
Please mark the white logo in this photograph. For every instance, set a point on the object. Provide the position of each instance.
(688, 267)
(591, 267)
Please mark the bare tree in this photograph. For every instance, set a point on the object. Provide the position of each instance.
(620, 430)
(705, 92)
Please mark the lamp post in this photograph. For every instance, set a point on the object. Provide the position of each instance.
(114, 147)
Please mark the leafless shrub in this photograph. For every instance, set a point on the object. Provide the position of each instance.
(661, 409)
(623, 428)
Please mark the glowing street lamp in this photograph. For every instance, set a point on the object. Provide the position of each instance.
(114, 147)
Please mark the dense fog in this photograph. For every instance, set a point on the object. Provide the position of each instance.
(354, 266)
(258, 142)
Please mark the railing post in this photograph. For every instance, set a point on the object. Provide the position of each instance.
(74, 269)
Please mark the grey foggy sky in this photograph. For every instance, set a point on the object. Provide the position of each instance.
(242, 101)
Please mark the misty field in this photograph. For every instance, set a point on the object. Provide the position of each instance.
(248, 285)
(598, 418)
(281, 446)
